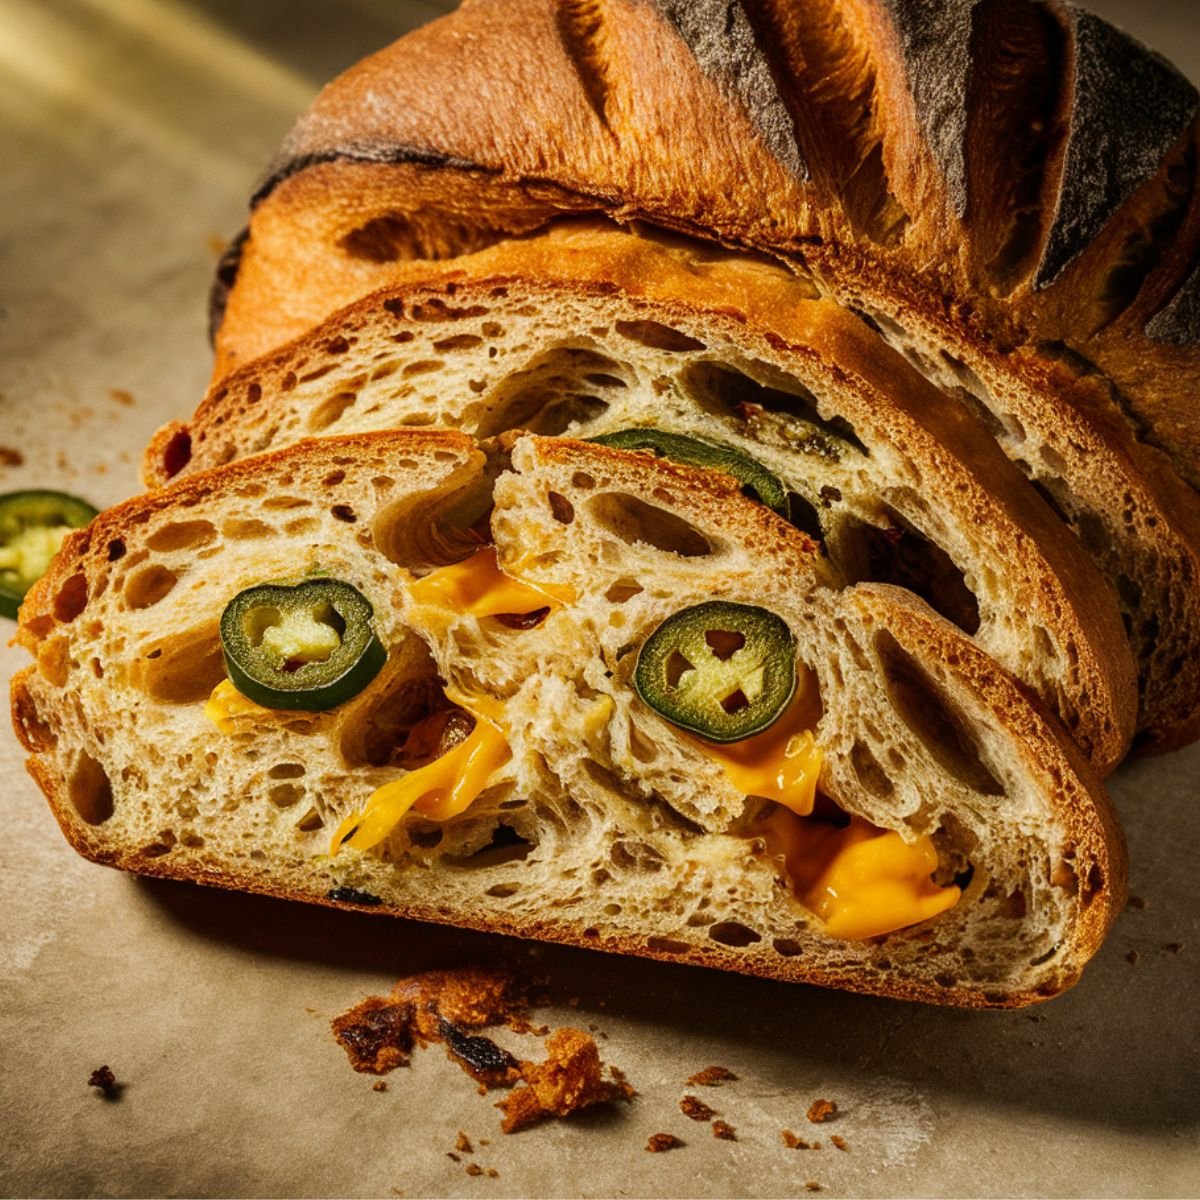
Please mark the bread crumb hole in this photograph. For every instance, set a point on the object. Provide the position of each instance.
(90, 790)
(149, 585)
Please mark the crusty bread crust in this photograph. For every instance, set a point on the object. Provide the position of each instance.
(590, 278)
(62, 710)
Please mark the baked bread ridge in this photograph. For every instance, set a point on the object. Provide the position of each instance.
(873, 138)
(456, 350)
(240, 823)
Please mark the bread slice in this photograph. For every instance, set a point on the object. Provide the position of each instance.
(589, 332)
(606, 827)
(1007, 190)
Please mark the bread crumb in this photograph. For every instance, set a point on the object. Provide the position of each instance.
(571, 1078)
(724, 1131)
(1173, 947)
(106, 1081)
(1132, 958)
(485, 1141)
(120, 396)
(474, 1169)
(711, 1077)
(10, 457)
(821, 1110)
(696, 1109)
(812, 1185)
(492, 1173)
(463, 1143)
(618, 1076)
(1136, 902)
(792, 1142)
(377, 1035)
(839, 1142)
(379, 1086)
(659, 1142)
(452, 1156)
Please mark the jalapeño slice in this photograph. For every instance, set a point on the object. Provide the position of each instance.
(721, 670)
(32, 527)
(752, 475)
(310, 645)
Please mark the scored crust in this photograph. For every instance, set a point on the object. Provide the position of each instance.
(229, 812)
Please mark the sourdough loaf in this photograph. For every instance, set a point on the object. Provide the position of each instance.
(1005, 190)
(587, 331)
(606, 827)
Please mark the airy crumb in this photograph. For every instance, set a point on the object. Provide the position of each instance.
(711, 1077)
(791, 1141)
(821, 1110)
(663, 1141)
(463, 1143)
(839, 1141)
(571, 1078)
(379, 1086)
(106, 1081)
(724, 1131)
(696, 1109)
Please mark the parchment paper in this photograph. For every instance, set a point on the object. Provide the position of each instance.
(132, 131)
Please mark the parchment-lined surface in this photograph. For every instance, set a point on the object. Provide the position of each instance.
(131, 132)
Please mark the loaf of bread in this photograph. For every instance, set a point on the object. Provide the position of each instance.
(589, 332)
(594, 818)
(1005, 191)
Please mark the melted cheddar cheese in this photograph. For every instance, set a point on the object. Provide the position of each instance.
(860, 880)
(226, 704)
(439, 790)
(781, 763)
(477, 587)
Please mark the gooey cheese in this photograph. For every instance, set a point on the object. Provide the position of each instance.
(862, 881)
(477, 587)
(781, 763)
(439, 790)
(226, 704)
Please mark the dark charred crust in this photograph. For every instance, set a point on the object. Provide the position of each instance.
(935, 42)
(723, 41)
(286, 166)
(1178, 323)
(1127, 108)
(349, 895)
(479, 1056)
(377, 1035)
(223, 281)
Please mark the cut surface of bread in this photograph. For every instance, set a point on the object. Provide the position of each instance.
(590, 332)
(598, 821)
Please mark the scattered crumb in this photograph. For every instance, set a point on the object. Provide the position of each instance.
(485, 1141)
(492, 1173)
(618, 1076)
(463, 1143)
(725, 1131)
(792, 1142)
(711, 1077)
(839, 1141)
(1173, 947)
(696, 1109)
(812, 1185)
(10, 457)
(663, 1141)
(106, 1081)
(821, 1110)
(1132, 957)
(451, 1155)
(120, 396)
(1136, 902)
(474, 1169)
(379, 1086)
(571, 1078)
(377, 1035)
(574, 1001)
